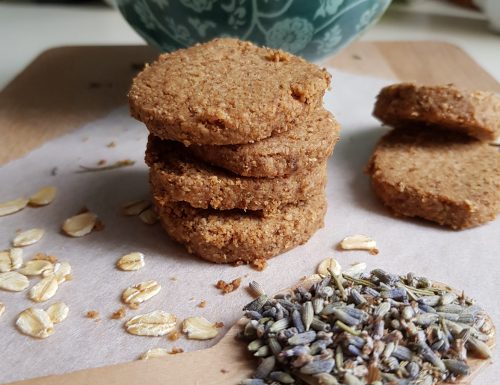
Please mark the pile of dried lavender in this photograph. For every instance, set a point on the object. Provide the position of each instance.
(376, 328)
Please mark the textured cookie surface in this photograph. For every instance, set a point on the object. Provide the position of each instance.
(234, 235)
(225, 92)
(475, 113)
(441, 176)
(178, 176)
(299, 148)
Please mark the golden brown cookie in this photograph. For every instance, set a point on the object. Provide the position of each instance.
(476, 113)
(225, 91)
(178, 176)
(235, 235)
(438, 175)
(300, 148)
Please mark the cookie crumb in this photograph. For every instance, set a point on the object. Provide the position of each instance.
(176, 350)
(239, 262)
(102, 162)
(120, 313)
(99, 225)
(173, 335)
(202, 304)
(111, 144)
(228, 287)
(68, 277)
(45, 257)
(92, 314)
(219, 325)
(224, 371)
(259, 264)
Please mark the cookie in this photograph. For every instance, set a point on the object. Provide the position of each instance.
(476, 113)
(235, 235)
(225, 91)
(442, 176)
(303, 147)
(178, 176)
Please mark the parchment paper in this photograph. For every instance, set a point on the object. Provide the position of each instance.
(467, 259)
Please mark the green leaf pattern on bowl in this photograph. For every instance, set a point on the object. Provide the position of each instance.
(311, 28)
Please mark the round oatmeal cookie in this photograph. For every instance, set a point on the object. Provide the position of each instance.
(235, 235)
(178, 176)
(225, 91)
(302, 147)
(441, 176)
(475, 113)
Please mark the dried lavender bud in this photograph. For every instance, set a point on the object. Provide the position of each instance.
(318, 366)
(376, 327)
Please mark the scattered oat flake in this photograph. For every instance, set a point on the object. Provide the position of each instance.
(202, 304)
(256, 289)
(11, 259)
(154, 353)
(43, 197)
(148, 216)
(199, 328)
(329, 265)
(13, 281)
(36, 267)
(356, 268)
(58, 312)
(156, 323)
(120, 313)
(12, 206)
(174, 335)
(79, 225)
(28, 237)
(92, 314)
(228, 287)
(130, 262)
(44, 290)
(135, 208)
(359, 242)
(117, 164)
(2, 308)
(259, 264)
(35, 323)
(140, 292)
(62, 272)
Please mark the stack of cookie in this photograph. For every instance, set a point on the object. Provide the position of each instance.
(437, 163)
(238, 147)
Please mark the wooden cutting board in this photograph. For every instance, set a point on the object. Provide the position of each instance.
(66, 87)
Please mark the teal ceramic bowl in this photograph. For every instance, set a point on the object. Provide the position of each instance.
(310, 28)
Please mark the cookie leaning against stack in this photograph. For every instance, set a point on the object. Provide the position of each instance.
(237, 149)
(437, 162)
